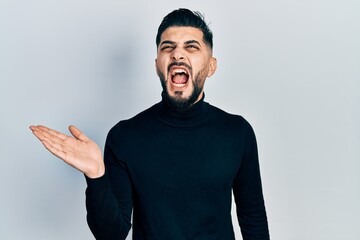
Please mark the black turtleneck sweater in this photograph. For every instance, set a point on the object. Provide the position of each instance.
(177, 171)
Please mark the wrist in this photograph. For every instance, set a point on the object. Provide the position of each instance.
(97, 174)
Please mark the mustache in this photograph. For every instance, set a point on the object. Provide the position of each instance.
(178, 64)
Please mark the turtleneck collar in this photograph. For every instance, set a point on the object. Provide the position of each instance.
(182, 118)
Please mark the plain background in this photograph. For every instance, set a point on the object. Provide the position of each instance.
(291, 68)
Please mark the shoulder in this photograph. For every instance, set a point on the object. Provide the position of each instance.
(135, 123)
(231, 122)
(229, 118)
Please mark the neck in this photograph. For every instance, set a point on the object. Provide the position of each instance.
(181, 106)
(183, 117)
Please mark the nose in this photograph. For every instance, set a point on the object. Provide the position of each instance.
(177, 55)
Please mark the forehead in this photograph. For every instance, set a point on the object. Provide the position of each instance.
(182, 34)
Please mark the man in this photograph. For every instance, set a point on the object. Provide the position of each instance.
(176, 163)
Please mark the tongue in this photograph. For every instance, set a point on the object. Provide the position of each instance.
(180, 78)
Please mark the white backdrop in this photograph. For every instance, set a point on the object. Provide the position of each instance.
(292, 68)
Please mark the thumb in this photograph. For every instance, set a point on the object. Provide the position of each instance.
(77, 133)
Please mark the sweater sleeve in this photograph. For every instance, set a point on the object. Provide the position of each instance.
(248, 194)
(109, 199)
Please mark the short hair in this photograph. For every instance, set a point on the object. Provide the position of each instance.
(183, 17)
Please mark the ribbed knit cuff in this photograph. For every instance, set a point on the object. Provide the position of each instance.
(98, 184)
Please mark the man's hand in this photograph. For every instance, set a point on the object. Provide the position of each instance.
(79, 151)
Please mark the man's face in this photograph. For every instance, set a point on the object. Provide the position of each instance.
(183, 63)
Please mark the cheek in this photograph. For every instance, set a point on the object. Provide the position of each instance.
(159, 73)
(200, 64)
(161, 66)
(203, 69)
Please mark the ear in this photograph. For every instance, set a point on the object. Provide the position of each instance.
(212, 66)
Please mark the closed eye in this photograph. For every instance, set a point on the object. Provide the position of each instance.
(192, 46)
(167, 47)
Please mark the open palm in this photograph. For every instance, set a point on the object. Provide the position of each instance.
(78, 151)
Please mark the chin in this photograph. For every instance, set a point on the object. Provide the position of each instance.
(178, 101)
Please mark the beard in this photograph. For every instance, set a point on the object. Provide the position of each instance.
(178, 102)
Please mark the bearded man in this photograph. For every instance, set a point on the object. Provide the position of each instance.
(175, 165)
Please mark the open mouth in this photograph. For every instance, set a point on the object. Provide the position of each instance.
(179, 77)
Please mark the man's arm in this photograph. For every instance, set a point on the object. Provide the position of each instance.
(109, 211)
(248, 193)
(109, 198)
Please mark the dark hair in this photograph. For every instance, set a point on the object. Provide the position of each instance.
(185, 18)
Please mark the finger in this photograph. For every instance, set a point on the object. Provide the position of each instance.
(77, 133)
(41, 134)
(53, 139)
(35, 129)
(59, 148)
(37, 133)
(53, 132)
(47, 140)
(48, 132)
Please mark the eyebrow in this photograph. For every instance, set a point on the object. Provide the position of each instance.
(191, 42)
(167, 42)
(174, 43)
